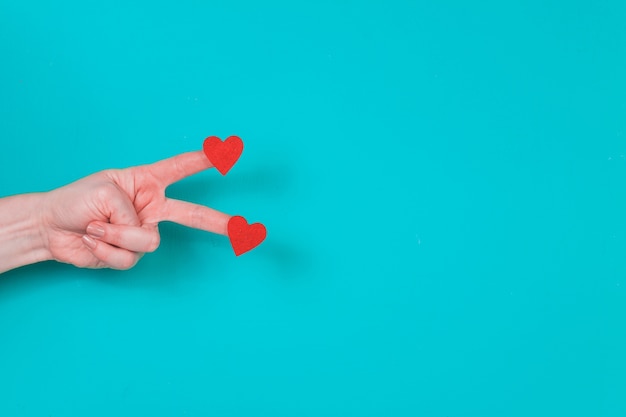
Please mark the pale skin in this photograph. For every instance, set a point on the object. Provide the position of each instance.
(106, 220)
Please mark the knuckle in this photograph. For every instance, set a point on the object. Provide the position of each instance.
(107, 191)
(154, 242)
(113, 236)
(128, 262)
(179, 167)
(197, 217)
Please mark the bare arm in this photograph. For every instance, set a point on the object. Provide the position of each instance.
(21, 234)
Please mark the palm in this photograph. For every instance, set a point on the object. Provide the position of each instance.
(129, 197)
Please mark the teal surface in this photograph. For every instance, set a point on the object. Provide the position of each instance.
(443, 184)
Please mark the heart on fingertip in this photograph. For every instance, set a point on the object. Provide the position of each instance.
(223, 155)
(243, 236)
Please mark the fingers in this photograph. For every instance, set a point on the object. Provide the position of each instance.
(120, 246)
(176, 168)
(196, 216)
(116, 258)
(116, 205)
(133, 238)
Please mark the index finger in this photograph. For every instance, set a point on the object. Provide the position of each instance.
(181, 166)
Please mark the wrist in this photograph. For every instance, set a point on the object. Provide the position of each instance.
(23, 238)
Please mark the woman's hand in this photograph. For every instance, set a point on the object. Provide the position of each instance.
(110, 219)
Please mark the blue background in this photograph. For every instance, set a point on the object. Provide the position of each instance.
(443, 186)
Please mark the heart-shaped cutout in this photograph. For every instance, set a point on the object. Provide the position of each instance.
(243, 236)
(223, 155)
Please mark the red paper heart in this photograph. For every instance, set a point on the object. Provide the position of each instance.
(243, 236)
(223, 155)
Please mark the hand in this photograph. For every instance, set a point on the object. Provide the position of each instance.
(110, 219)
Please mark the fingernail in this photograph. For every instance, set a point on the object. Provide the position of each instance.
(95, 230)
(89, 242)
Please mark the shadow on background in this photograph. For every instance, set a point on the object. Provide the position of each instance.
(289, 259)
(171, 266)
(274, 181)
(43, 274)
